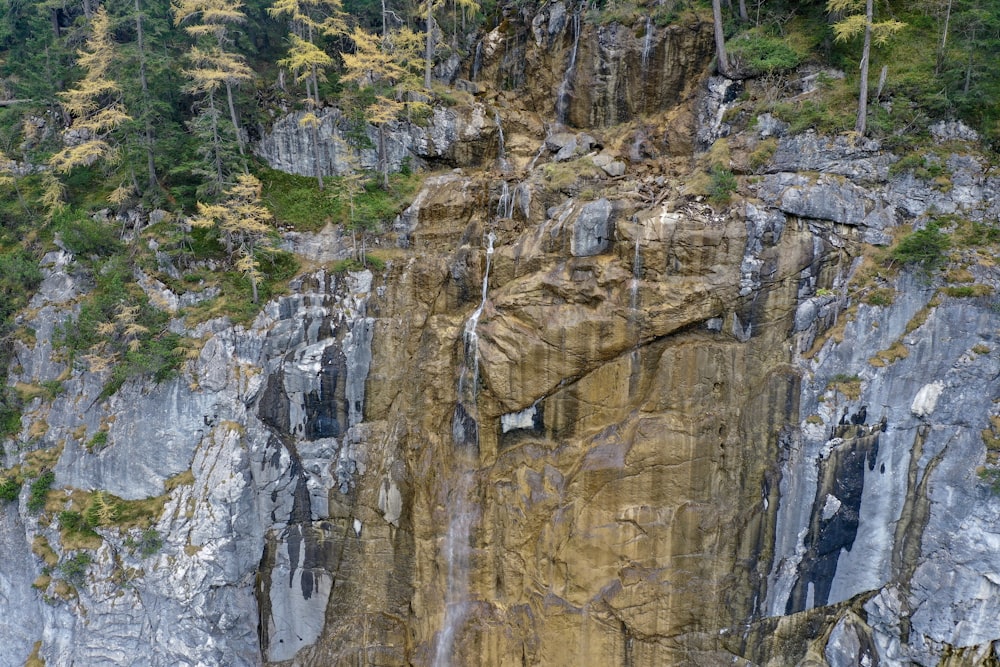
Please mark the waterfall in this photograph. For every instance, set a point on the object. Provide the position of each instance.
(456, 552)
(647, 43)
(463, 511)
(541, 149)
(505, 205)
(501, 144)
(477, 62)
(565, 93)
(634, 311)
(636, 271)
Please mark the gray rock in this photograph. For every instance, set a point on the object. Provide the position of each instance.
(615, 168)
(769, 126)
(557, 19)
(831, 155)
(953, 130)
(557, 140)
(591, 229)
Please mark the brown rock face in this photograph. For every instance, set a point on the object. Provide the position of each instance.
(613, 507)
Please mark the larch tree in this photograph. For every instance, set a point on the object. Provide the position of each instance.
(859, 19)
(310, 19)
(244, 224)
(212, 69)
(213, 19)
(389, 65)
(429, 8)
(95, 107)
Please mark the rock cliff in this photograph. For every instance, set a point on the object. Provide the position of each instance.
(583, 416)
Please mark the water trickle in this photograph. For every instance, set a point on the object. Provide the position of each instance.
(477, 62)
(505, 205)
(541, 149)
(565, 93)
(463, 510)
(501, 144)
(463, 515)
(634, 311)
(647, 43)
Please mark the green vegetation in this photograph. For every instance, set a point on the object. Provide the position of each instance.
(757, 53)
(150, 541)
(39, 491)
(10, 489)
(74, 568)
(925, 248)
(98, 442)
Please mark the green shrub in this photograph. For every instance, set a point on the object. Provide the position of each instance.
(84, 236)
(10, 489)
(74, 569)
(723, 184)
(75, 522)
(925, 247)
(39, 490)
(98, 442)
(758, 54)
(149, 542)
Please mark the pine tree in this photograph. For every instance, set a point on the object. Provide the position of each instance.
(857, 23)
(94, 105)
(244, 224)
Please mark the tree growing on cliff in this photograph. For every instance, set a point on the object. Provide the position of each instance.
(209, 21)
(243, 223)
(722, 61)
(386, 68)
(95, 106)
(859, 19)
(430, 36)
(308, 20)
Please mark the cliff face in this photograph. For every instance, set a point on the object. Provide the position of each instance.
(582, 417)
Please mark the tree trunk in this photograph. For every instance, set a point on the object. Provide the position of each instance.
(429, 50)
(382, 157)
(232, 116)
(147, 114)
(720, 39)
(216, 144)
(944, 39)
(862, 124)
(744, 17)
(316, 166)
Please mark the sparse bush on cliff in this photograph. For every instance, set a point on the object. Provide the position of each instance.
(925, 248)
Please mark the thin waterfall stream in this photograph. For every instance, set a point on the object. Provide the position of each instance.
(565, 93)
(647, 44)
(502, 163)
(634, 309)
(463, 509)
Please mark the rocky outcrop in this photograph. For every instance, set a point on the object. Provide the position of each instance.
(579, 418)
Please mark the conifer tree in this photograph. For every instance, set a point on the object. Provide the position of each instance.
(95, 106)
(389, 66)
(860, 19)
(429, 8)
(244, 224)
(210, 20)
